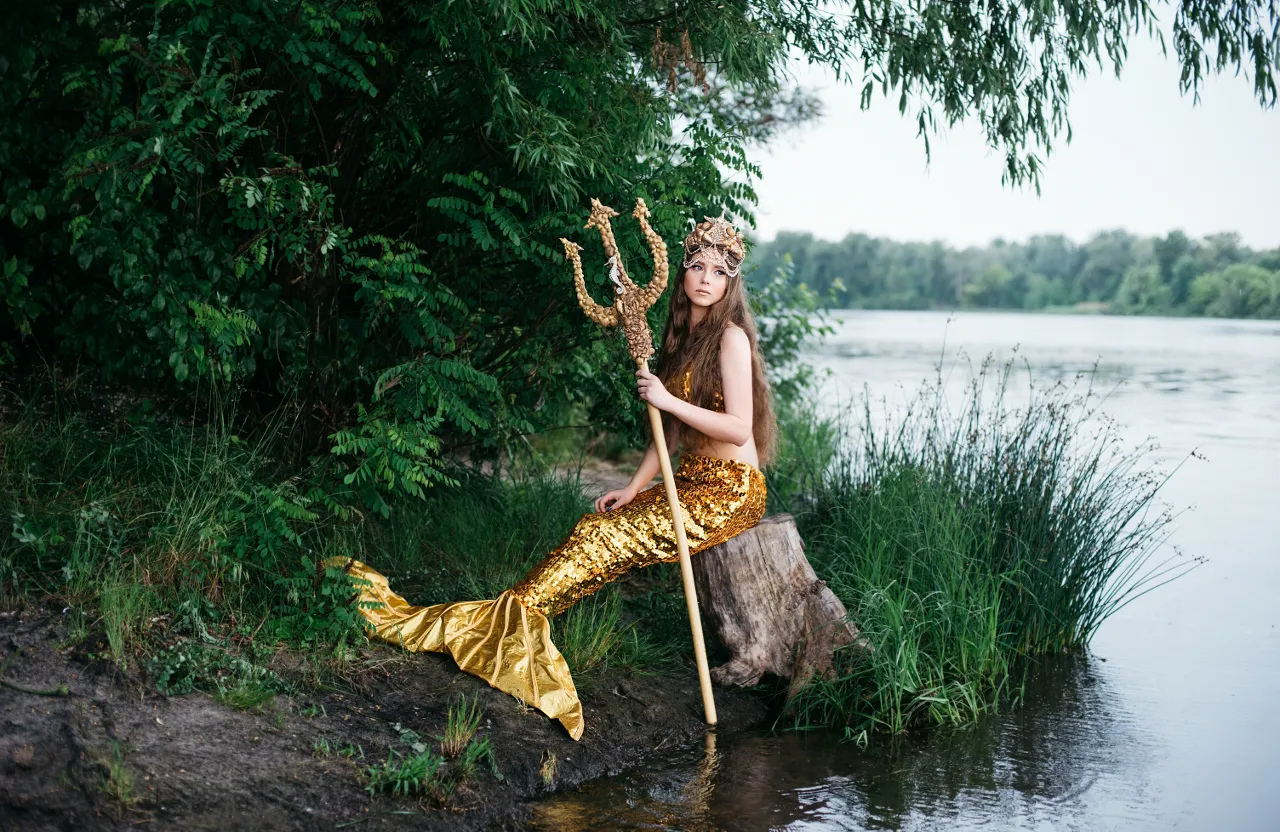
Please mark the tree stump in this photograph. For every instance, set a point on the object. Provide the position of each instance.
(762, 598)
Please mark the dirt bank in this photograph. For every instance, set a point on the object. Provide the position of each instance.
(190, 762)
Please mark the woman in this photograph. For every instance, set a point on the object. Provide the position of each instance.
(722, 417)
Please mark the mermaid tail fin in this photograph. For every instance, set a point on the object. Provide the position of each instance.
(501, 641)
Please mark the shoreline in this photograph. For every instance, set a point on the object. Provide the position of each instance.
(195, 763)
(1079, 311)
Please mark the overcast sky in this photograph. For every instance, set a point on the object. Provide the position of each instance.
(1142, 157)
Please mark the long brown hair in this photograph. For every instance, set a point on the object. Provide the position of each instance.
(683, 343)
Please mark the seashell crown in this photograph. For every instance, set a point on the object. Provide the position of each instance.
(720, 240)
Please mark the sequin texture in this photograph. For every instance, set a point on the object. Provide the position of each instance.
(719, 498)
(686, 383)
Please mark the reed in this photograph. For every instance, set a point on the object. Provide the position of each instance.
(966, 536)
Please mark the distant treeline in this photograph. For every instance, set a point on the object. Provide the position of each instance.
(1115, 271)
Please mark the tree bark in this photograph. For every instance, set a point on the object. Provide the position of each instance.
(762, 598)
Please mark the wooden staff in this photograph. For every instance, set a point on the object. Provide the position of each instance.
(628, 309)
(686, 566)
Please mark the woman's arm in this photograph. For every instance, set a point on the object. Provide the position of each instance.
(735, 425)
(645, 473)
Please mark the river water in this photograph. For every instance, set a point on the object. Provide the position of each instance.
(1169, 721)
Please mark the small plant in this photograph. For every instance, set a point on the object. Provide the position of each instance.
(126, 605)
(547, 774)
(404, 776)
(77, 628)
(119, 782)
(425, 772)
(460, 727)
(321, 748)
(313, 710)
(351, 751)
(247, 695)
(477, 751)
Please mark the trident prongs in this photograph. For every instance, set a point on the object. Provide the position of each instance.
(632, 302)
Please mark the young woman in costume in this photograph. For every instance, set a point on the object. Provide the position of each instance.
(718, 409)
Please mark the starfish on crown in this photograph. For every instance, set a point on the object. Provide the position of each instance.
(718, 242)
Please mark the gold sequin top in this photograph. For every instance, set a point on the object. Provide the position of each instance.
(686, 382)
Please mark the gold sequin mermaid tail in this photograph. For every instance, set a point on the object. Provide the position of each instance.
(507, 641)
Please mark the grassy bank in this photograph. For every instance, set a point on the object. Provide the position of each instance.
(192, 553)
(966, 537)
(963, 539)
(153, 531)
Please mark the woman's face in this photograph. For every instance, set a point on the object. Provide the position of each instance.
(705, 281)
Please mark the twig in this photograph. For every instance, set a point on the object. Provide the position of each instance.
(60, 690)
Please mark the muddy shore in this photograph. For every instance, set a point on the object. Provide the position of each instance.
(195, 763)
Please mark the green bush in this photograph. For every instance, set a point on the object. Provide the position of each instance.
(350, 210)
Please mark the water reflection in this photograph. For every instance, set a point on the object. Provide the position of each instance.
(1045, 763)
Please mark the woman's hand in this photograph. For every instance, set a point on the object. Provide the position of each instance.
(614, 499)
(651, 389)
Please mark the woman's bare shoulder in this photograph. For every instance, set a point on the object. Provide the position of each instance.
(735, 348)
(733, 334)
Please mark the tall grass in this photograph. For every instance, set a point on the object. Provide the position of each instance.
(476, 539)
(136, 522)
(126, 605)
(607, 631)
(965, 538)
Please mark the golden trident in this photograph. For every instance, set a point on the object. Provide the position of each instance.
(629, 307)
